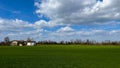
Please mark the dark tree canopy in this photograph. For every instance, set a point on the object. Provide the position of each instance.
(7, 39)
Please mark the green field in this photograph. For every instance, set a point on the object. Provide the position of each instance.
(60, 57)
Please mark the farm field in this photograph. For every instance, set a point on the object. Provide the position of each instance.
(61, 56)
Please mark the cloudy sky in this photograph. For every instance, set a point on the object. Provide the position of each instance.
(60, 19)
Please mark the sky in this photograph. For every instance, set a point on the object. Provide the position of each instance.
(60, 19)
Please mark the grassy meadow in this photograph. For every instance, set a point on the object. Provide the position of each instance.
(60, 57)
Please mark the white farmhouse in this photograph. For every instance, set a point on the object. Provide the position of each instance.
(31, 43)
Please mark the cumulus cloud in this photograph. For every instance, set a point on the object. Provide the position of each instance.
(66, 13)
(98, 35)
(13, 25)
(79, 11)
(65, 29)
(19, 29)
(43, 23)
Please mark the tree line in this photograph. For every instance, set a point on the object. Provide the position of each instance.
(7, 42)
(80, 42)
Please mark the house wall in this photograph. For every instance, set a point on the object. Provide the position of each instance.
(30, 43)
(14, 43)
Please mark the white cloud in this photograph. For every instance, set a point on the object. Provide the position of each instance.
(13, 25)
(43, 23)
(67, 12)
(79, 11)
(18, 29)
(65, 29)
(98, 35)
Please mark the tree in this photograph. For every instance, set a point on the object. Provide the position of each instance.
(7, 40)
(29, 39)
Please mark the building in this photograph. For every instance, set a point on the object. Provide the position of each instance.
(31, 43)
(22, 43)
(14, 43)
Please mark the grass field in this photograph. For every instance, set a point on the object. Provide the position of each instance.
(60, 57)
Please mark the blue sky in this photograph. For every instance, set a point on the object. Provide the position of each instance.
(60, 19)
(20, 9)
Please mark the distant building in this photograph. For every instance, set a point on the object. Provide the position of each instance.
(14, 43)
(22, 43)
(31, 43)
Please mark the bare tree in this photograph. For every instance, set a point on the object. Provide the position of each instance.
(7, 40)
(30, 39)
